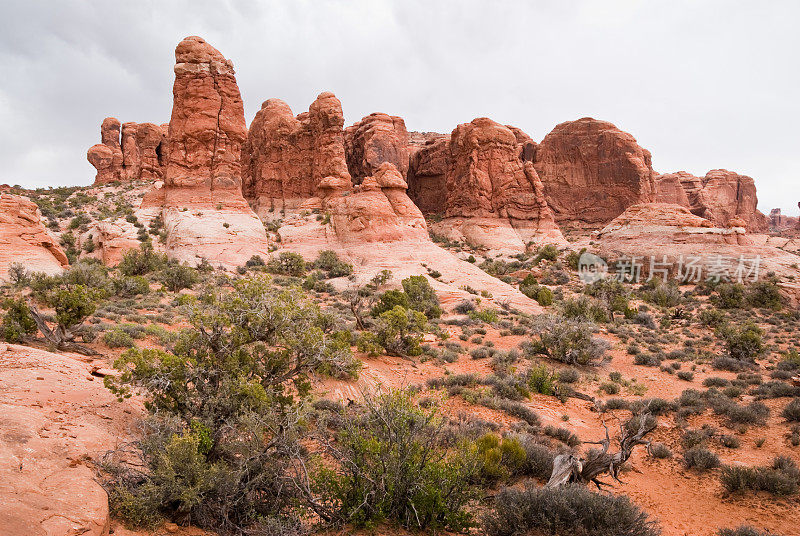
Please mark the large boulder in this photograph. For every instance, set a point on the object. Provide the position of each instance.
(25, 240)
(129, 152)
(205, 215)
(376, 139)
(592, 171)
(286, 157)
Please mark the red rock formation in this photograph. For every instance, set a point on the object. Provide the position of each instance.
(426, 174)
(111, 240)
(136, 151)
(204, 212)
(592, 172)
(725, 198)
(286, 157)
(376, 139)
(669, 189)
(779, 223)
(24, 239)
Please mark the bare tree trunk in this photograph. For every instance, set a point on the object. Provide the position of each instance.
(60, 337)
(569, 468)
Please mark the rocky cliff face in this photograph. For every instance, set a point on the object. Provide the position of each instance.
(592, 172)
(24, 239)
(427, 168)
(129, 152)
(204, 212)
(286, 157)
(376, 139)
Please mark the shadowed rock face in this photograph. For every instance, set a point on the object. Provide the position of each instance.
(426, 173)
(592, 172)
(205, 214)
(376, 139)
(129, 152)
(286, 157)
(24, 239)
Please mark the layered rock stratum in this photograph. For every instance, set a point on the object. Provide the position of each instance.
(24, 238)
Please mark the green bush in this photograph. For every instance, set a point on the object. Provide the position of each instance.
(743, 343)
(661, 293)
(743, 530)
(129, 286)
(485, 315)
(399, 331)
(17, 321)
(499, 457)
(567, 341)
(583, 308)
(287, 263)
(177, 277)
(393, 464)
(388, 300)
(547, 252)
(765, 294)
(227, 408)
(729, 296)
(780, 479)
(329, 262)
(117, 338)
(700, 458)
(142, 261)
(565, 511)
(421, 296)
(712, 317)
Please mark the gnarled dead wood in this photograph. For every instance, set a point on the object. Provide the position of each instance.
(59, 336)
(569, 468)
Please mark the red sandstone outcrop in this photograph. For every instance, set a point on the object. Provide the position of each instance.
(778, 222)
(376, 139)
(286, 157)
(204, 212)
(483, 181)
(24, 239)
(592, 171)
(110, 240)
(56, 418)
(426, 174)
(130, 152)
(725, 198)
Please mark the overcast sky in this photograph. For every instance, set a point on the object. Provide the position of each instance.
(701, 84)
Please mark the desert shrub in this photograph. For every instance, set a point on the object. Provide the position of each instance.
(393, 465)
(421, 296)
(538, 459)
(18, 275)
(117, 338)
(18, 322)
(685, 375)
(485, 315)
(565, 511)
(73, 304)
(499, 457)
(226, 425)
(388, 301)
(716, 381)
(694, 438)
(330, 263)
(177, 277)
(541, 380)
(568, 375)
(89, 273)
(765, 294)
(647, 360)
(547, 252)
(742, 530)
(724, 362)
(700, 458)
(464, 307)
(661, 293)
(729, 296)
(711, 317)
(660, 451)
(644, 319)
(613, 294)
(752, 413)
(400, 331)
(610, 388)
(544, 296)
(287, 263)
(729, 441)
(562, 434)
(583, 308)
(775, 389)
(779, 479)
(142, 261)
(791, 412)
(743, 343)
(568, 341)
(129, 286)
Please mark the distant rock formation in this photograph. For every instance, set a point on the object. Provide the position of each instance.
(723, 197)
(130, 152)
(591, 172)
(779, 222)
(376, 139)
(204, 212)
(482, 180)
(25, 240)
(286, 157)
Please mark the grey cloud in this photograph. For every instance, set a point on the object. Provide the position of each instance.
(702, 85)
